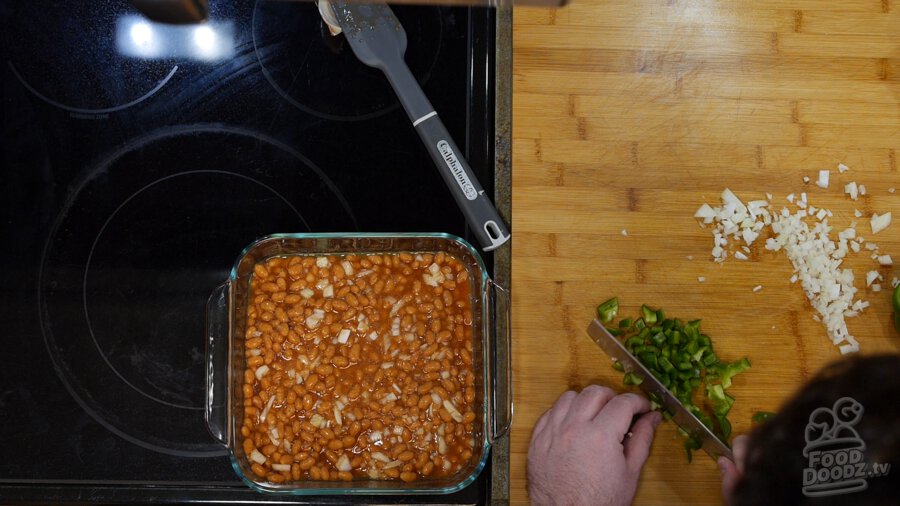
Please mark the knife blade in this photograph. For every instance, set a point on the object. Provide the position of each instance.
(710, 443)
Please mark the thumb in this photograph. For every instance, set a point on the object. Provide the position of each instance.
(637, 447)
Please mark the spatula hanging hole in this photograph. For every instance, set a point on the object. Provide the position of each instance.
(493, 231)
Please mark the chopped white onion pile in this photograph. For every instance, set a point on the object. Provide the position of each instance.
(842, 168)
(624, 232)
(804, 237)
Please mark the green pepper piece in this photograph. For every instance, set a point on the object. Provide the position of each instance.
(618, 366)
(608, 310)
(667, 324)
(691, 444)
(614, 331)
(706, 420)
(664, 379)
(632, 379)
(709, 359)
(632, 342)
(624, 324)
(665, 364)
(728, 371)
(692, 347)
(666, 416)
(649, 359)
(658, 339)
(699, 354)
(674, 337)
(725, 427)
(649, 314)
(639, 324)
(685, 375)
(660, 315)
(895, 302)
(762, 416)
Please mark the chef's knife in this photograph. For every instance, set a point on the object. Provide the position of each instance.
(684, 418)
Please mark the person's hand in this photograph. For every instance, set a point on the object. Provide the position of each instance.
(585, 450)
(732, 471)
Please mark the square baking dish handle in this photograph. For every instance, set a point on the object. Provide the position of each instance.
(217, 374)
(499, 332)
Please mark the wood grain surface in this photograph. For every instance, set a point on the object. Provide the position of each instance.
(629, 115)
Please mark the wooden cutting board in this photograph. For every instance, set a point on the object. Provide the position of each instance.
(630, 114)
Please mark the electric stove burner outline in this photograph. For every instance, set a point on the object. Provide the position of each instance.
(135, 312)
(82, 110)
(199, 404)
(72, 49)
(295, 49)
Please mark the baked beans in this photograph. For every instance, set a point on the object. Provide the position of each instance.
(359, 367)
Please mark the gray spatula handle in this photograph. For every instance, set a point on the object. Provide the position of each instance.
(480, 213)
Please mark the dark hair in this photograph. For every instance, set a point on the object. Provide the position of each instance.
(779, 456)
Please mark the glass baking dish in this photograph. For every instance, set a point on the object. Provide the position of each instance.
(226, 315)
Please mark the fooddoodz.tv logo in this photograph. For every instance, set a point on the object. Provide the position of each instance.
(836, 453)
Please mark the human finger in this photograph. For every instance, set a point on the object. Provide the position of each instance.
(617, 414)
(730, 477)
(739, 450)
(638, 440)
(541, 423)
(559, 410)
(539, 441)
(588, 403)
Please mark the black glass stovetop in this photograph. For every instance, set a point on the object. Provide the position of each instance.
(138, 160)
